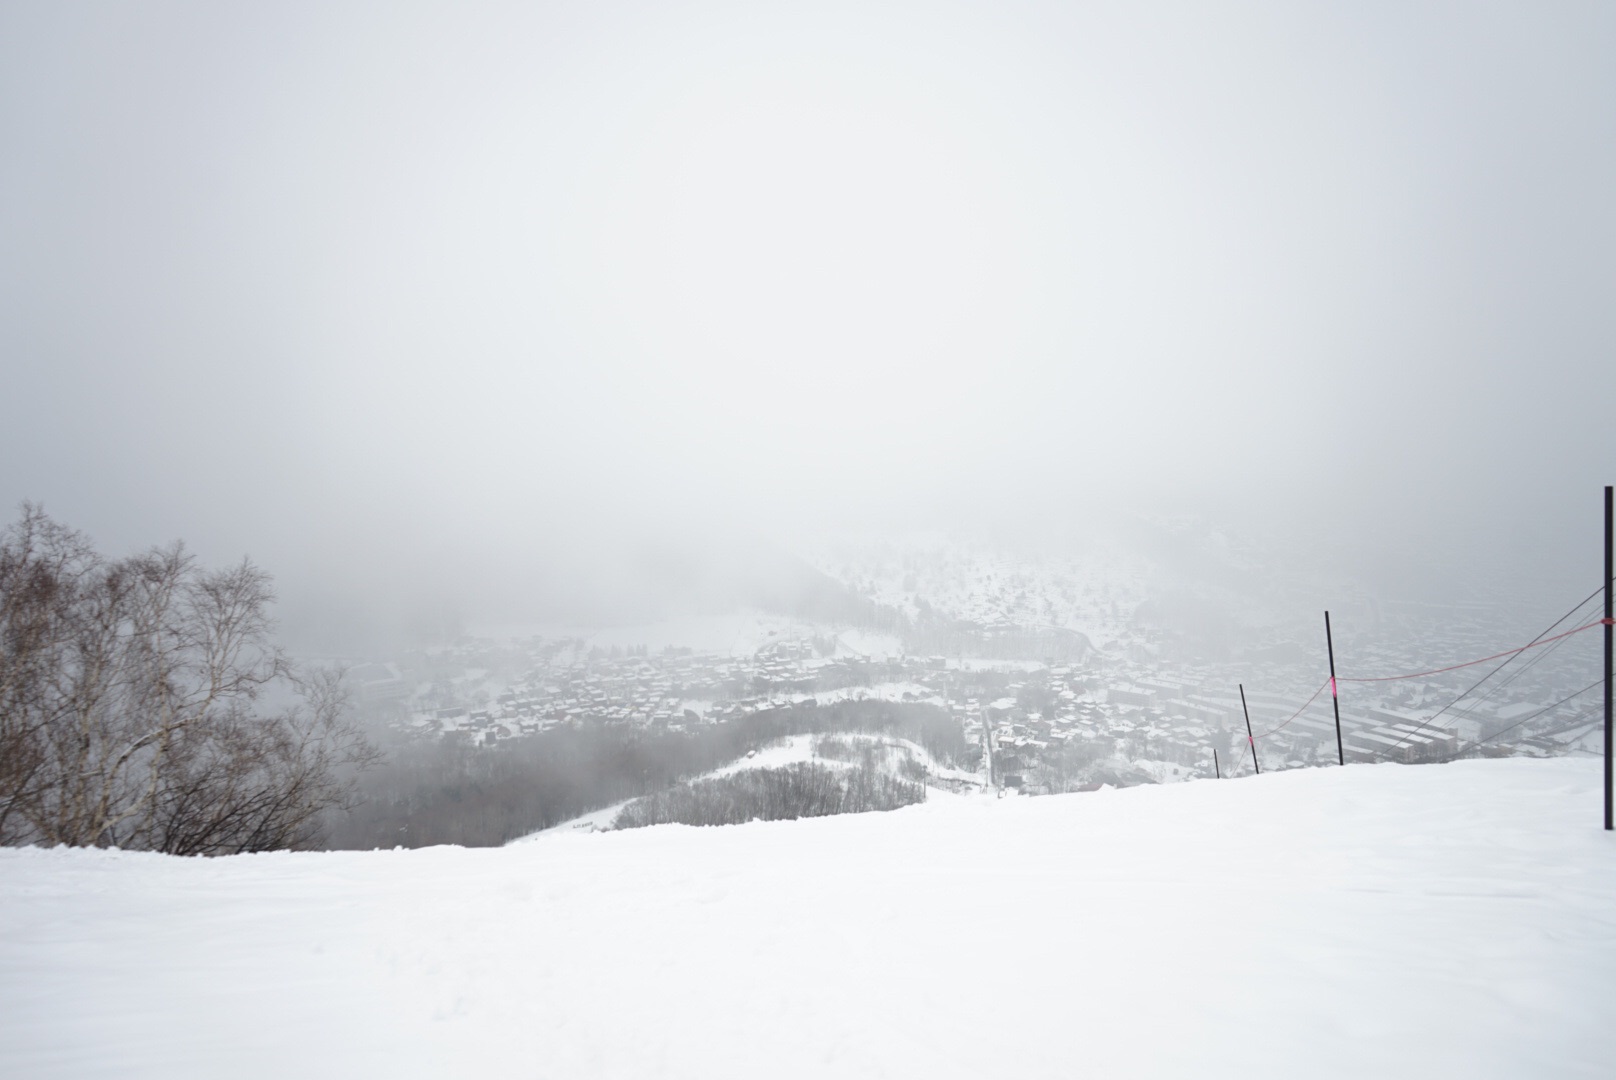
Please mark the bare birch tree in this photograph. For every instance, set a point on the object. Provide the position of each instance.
(132, 704)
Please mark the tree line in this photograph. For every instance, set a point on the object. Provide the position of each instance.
(801, 789)
(143, 704)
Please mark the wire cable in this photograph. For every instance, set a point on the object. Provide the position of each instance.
(1575, 608)
(1511, 653)
(1297, 713)
(1525, 719)
(1472, 706)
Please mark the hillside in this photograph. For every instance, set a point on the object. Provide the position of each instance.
(890, 758)
(1371, 921)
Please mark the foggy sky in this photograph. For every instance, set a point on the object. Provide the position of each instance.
(424, 297)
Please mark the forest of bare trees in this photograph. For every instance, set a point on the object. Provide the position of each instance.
(143, 704)
(801, 789)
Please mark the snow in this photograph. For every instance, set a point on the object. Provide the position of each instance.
(790, 750)
(1162, 772)
(1406, 921)
(1093, 592)
(868, 643)
(783, 752)
(787, 751)
(882, 691)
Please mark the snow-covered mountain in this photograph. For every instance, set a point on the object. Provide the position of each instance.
(1369, 921)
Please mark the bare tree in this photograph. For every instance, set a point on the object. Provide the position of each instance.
(131, 704)
(43, 566)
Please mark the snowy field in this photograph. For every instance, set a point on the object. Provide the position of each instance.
(1375, 921)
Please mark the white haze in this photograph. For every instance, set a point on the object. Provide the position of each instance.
(478, 304)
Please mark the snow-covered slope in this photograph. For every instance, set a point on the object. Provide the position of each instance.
(1371, 921)
(942, 780)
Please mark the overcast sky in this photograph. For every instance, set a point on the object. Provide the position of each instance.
(350, 286)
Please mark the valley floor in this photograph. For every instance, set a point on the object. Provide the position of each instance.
(1454, 920)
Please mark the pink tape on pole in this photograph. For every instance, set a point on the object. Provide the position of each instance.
(1332, 686)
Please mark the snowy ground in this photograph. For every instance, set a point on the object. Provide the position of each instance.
(1377, 921)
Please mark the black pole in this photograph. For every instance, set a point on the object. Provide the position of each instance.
(1610, 572)
(1335, 702)
(1249, 740)
(1215, 767)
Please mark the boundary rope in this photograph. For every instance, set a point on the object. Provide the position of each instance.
(1467, 691)
(1507, 656)
(1472, 663)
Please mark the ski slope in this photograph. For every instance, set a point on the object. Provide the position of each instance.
(1382, 921)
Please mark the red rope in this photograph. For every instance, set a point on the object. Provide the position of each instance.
(1331, 682)
(1483, 660)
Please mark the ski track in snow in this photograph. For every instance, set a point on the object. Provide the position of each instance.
(1376, 921)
